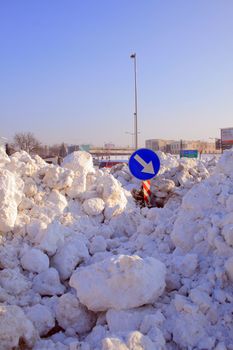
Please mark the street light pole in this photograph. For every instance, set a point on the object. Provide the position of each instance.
(133, 56)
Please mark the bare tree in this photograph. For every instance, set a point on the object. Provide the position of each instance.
(54, 150)
(26, 141)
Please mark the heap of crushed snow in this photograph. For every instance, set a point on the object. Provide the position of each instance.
(83, 267)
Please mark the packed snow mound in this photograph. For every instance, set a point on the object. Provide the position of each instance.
(128, 281)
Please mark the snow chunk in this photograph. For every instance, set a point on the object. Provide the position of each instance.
(15, 326)
(48, 283)
(98, 244)
(52, 238)
(134, 341)
(126, 320)
(227, 232)
(4, 159)
(30, 187)
(113, 195)
(11, 191)
(57, 201)
(113, 344)
(120, 282)
(69, 256)
(34, 260)
(79, 161)
(58, 178)
(8, 256)
(78, 186)
(93, 206)
(73, 316)
(185, 265)
(41, 317)
(13, 281)
(229, 268)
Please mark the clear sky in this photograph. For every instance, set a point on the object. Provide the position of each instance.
(66, 75)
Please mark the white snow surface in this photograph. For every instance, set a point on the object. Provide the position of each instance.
(82, 266)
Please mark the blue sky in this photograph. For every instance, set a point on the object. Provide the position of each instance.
(66, 75)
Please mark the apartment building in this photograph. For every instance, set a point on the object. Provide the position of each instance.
(158, 144)
(174, 147)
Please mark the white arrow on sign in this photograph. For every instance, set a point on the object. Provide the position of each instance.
(147, 167)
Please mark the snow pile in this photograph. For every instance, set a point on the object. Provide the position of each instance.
(83, 267)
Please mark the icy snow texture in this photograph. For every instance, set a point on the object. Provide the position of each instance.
(128, 281)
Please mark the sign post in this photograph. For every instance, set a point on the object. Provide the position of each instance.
(226, 138)
(144, 164)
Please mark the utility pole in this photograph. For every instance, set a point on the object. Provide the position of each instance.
(133, 56)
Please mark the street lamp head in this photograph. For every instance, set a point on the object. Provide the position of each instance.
(133, 55)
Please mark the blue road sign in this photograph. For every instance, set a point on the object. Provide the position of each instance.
(144, 164)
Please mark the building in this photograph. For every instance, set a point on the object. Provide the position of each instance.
(174, 147)
(158, 144)
(200, 146)
(109, 145)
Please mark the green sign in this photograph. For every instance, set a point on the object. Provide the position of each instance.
(85, 148)
(189, 153)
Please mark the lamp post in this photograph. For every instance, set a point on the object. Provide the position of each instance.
(133, 56)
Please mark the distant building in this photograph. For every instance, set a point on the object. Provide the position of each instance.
(109, 145)
(201, 146)
(174, 147)
(158, 144)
